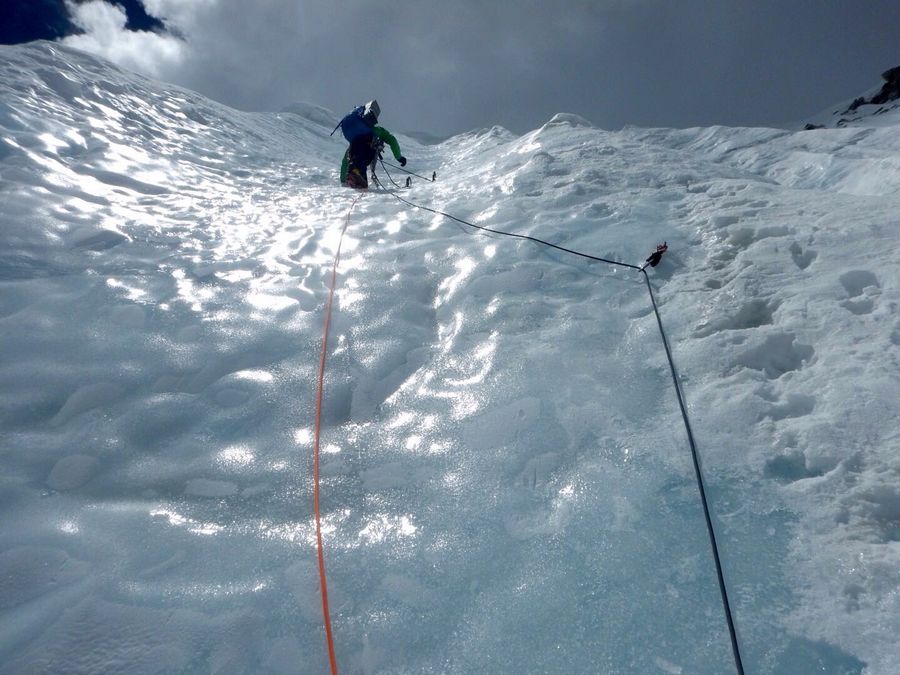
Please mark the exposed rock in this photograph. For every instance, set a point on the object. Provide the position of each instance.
(890, 90)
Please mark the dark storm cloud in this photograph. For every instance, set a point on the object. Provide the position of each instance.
(455, 65)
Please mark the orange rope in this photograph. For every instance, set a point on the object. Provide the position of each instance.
(318, 428)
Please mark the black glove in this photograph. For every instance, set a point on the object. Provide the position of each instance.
(402, 161)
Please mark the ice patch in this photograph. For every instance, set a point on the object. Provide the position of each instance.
(72, 472)
(100, 636)
(500, 426)
(88, 397)
(214, 489)
(28, 572)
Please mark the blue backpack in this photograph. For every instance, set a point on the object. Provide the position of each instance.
(354, 124)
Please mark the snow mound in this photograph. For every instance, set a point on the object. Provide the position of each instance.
(314, 113)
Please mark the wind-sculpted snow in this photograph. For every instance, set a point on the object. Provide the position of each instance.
(506, 480)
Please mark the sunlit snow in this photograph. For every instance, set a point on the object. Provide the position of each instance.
(506, 480)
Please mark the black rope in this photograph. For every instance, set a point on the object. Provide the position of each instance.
(517, 236)
(695, 455)
(735, 649)
(387, 173)
(412, 173)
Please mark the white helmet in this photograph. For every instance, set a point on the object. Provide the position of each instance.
(372, 111)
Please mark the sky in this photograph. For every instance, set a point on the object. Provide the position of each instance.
(448, 67)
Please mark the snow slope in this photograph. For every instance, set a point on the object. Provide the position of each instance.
(507, 485)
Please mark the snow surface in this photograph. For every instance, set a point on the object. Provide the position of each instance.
(507, 485)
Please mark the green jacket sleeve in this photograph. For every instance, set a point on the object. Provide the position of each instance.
(388, 138)
(345, 165)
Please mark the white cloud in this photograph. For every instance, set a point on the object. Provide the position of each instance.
(105, 35)
(453, 66)
(179, 13)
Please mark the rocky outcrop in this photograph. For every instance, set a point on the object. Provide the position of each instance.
(890, 90)
(887, 99)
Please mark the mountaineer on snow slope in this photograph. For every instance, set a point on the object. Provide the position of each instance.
(367, 140)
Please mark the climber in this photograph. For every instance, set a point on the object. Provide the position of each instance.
(367, 140)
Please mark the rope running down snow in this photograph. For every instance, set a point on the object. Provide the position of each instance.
(323, 585)
(695, 455)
